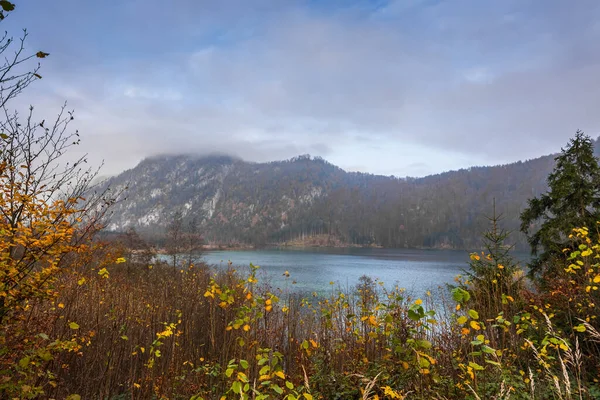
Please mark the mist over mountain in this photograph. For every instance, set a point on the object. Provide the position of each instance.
(240, 202)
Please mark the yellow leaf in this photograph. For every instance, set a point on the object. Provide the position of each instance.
(563, 346)
(372, 320)
(419, 302)
(61, 305)
(242, 377)
(246, 327)
(73, 325)
(280, 374)
(475, 325)
(597, 279)
(120, 260)
(462, 319)
(81, 281)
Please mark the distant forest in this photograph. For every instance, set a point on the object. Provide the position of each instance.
(258, 204)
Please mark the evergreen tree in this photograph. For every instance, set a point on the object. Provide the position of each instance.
(494, 277)
(573, 200)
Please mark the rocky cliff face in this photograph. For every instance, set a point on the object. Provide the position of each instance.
(225, 194)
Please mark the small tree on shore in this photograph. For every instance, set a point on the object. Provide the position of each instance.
(494, 278)
(193, 242)
(175, 234)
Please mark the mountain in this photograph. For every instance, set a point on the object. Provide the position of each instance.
(260, 203)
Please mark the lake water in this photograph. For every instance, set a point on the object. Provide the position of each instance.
(314, 269)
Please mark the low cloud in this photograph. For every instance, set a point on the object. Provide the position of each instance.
(481, 82)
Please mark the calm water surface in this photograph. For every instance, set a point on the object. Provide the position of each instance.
(315, 269)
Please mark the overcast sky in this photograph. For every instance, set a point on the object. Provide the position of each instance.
(405, 88)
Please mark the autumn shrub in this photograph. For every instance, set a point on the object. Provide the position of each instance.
(46, 232)
(129, 329)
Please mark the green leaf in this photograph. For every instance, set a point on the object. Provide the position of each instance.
(7, 5)
(462, 320)
(24, 362)
(264, 370)
(460, 295)
(289, 385)
(488, 349)
(476, 366)
(496, 363)
(73, 325)
(413, 315)
(244, 364)
(473, 314)
(262, 361)
(579, 328)
(229, 372)
(236, 387)
(45, 355)
(277, 389)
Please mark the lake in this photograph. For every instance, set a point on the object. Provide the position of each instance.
(314, 269)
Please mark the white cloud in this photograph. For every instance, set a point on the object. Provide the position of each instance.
(269, 80)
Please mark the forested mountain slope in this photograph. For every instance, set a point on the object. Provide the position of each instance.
(262, 203)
